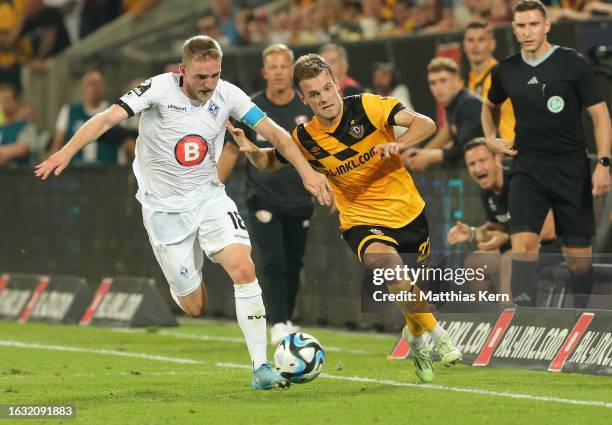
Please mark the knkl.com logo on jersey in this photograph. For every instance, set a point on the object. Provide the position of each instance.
(190, 150)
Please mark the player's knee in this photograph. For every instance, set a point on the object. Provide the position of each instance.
(243, 272)
(579, 266)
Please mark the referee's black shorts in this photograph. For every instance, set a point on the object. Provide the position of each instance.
(560, 182)
(413, 238)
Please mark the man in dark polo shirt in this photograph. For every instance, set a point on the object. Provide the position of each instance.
(279, 206)
(492, 240)
(462, 118)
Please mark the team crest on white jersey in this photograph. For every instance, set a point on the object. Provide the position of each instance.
(191, 150)
(213, 108)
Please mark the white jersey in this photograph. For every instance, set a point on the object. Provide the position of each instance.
(180, 139)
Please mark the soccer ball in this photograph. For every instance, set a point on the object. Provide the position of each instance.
(299, 357)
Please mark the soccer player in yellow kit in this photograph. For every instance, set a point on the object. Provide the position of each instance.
(351, 141)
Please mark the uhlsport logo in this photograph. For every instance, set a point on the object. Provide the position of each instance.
(555, 104)
(191, 150)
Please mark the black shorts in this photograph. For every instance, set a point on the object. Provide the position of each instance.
(413, 238)
(562, 183)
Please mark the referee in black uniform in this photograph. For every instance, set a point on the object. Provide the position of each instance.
(279, 206)
(549, 86)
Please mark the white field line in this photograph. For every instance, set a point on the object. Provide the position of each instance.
(17, 344)
(447, 388)
(204, 337)
(593, 403)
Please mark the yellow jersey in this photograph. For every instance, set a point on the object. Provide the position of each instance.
(368, 190)
(480, 85)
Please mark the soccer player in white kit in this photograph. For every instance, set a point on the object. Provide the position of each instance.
(184, 205)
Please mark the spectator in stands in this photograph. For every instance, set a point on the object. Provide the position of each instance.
(97, 13)
(462, 110)
(14, 51)
(208, 24)
(17, 136)
(384, 83)
(501, 14)
(492, 240)
(226, 13)
(73, 116)
(349, 28)
(580, 10)
(45, 26)
(478, 46)
(337, 58)
(309, 26)
(41, 137)
(281, 27)
(279, 207)
(376, 18)
(403, 16)
(71, 11)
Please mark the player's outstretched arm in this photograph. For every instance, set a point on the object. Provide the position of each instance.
(489, 118)
(314, 182)
(90, 131)
(263, 159)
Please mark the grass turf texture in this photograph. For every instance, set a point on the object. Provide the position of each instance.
(113, 389)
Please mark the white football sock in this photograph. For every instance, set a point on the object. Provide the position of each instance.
(251, 315)
(436, 333)
(418, 341)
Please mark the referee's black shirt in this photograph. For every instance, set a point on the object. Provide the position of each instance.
(547, 96)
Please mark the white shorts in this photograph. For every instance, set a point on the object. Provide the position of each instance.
(178, 239)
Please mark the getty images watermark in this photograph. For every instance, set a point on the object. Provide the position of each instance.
(458, 279)
(459, 276)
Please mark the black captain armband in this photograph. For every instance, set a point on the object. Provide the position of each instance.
(126, 107)
(398, 107)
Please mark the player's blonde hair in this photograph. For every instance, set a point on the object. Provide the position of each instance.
(443, 64)
(201, 46)
(309, 66)
(277, 48)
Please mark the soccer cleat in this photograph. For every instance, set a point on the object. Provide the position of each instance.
(449, 354)
(423, 366)
(267, 378)
(278, 332)
(291, 328)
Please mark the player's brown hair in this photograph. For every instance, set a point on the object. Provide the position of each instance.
(309, 66)
(443, 64)
(525, 5)
(277, 48)
(201, 46)
(478, 25)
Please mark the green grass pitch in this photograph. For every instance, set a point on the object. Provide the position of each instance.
(196, 374)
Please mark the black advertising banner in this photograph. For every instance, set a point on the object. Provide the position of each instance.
(128, 302)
